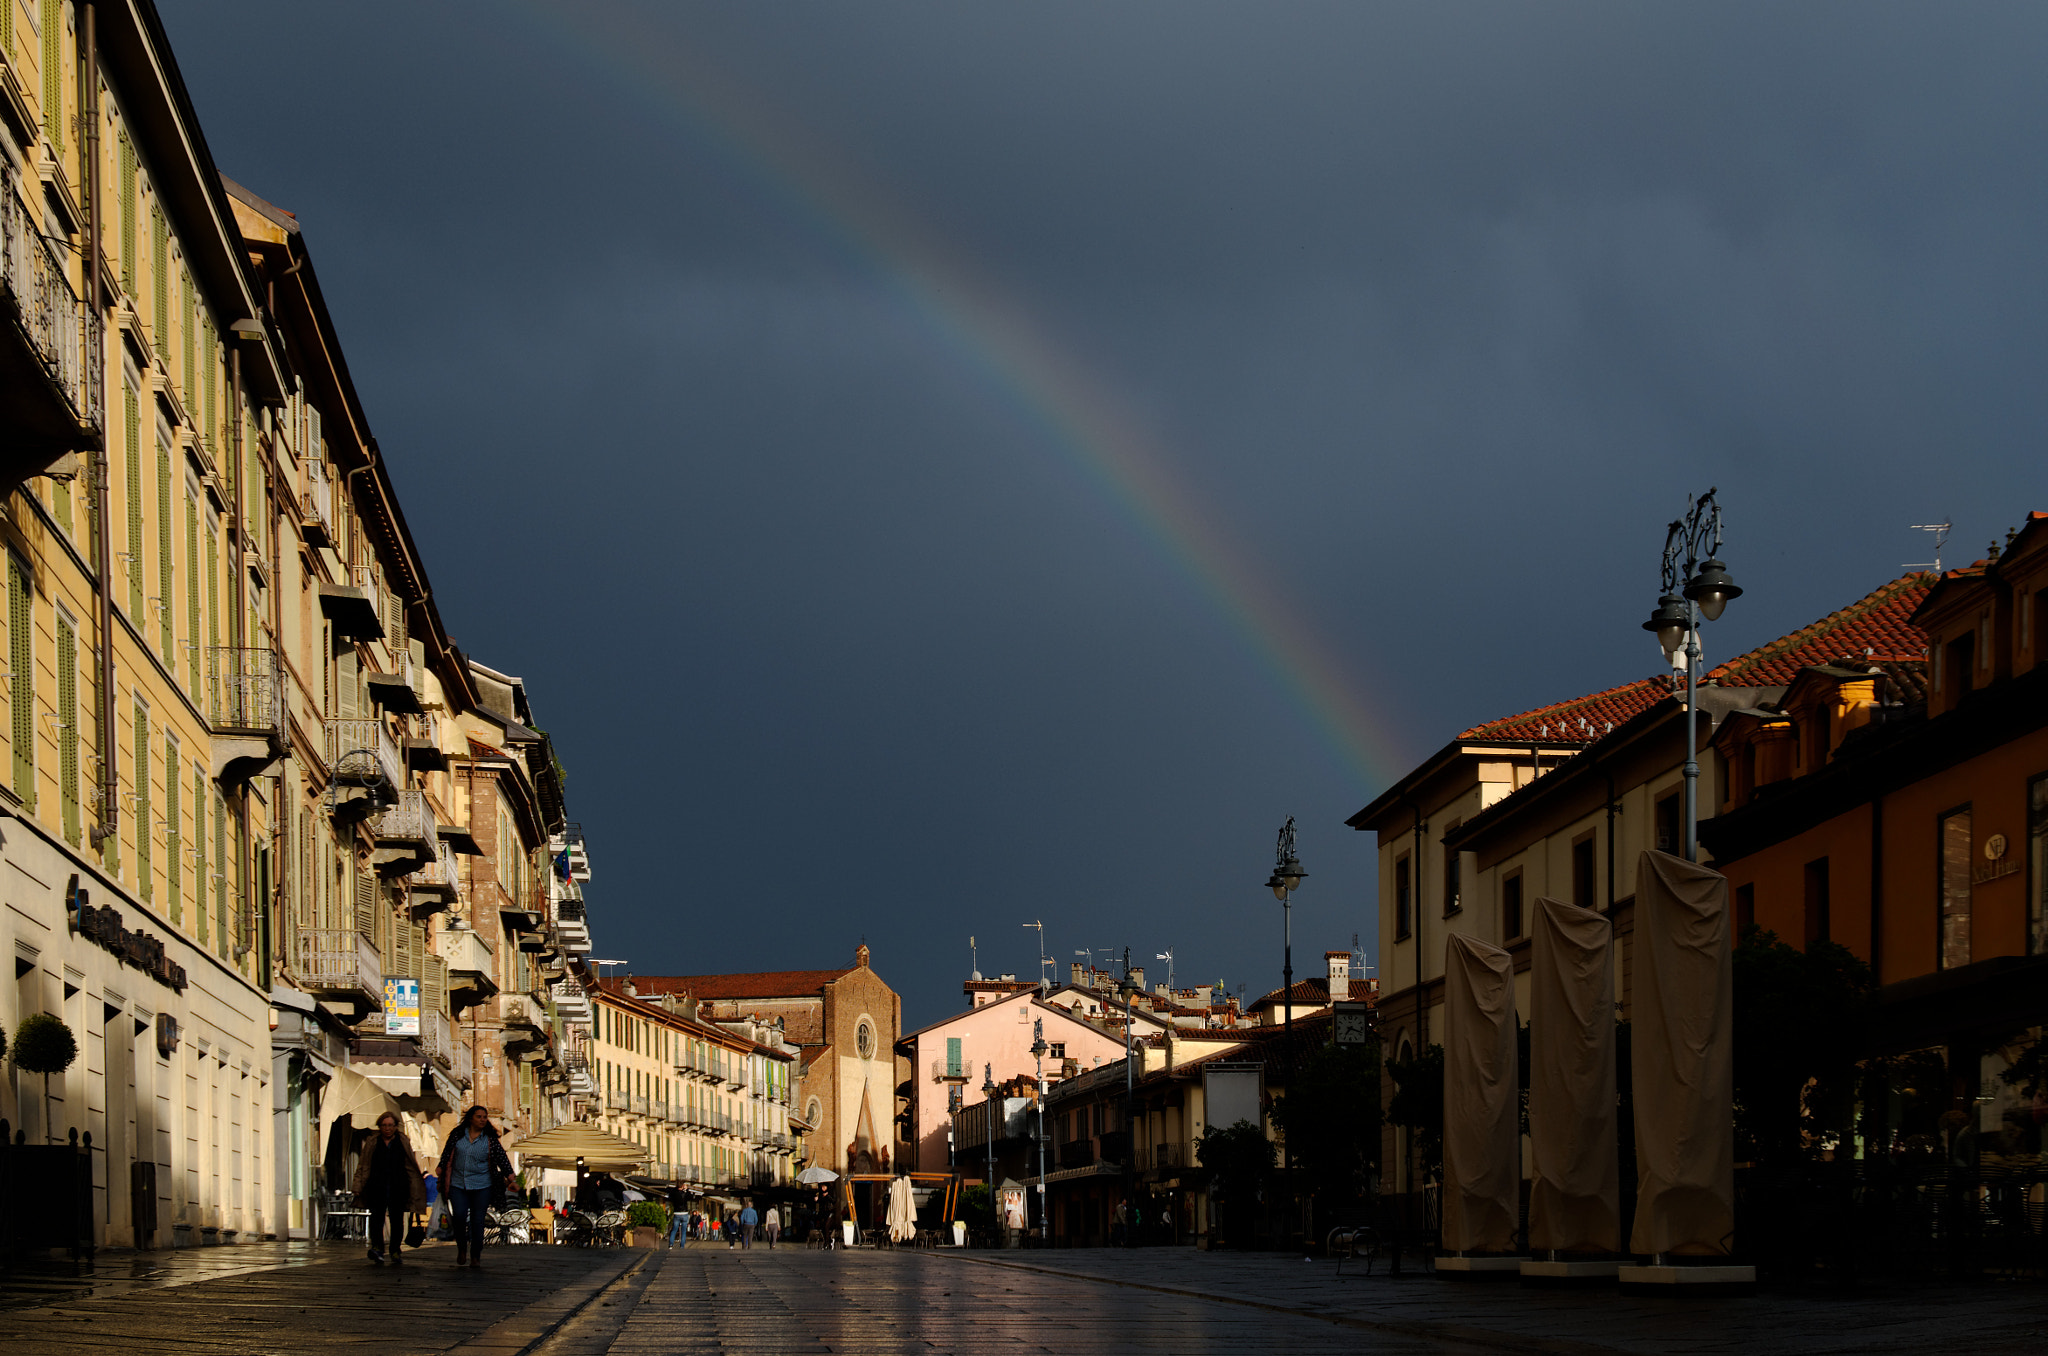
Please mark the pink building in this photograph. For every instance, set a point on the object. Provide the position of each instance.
(950, 1058)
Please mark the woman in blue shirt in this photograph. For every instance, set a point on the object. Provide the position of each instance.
(473, 1164)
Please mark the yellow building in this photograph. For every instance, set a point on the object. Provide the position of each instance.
(710, 1102)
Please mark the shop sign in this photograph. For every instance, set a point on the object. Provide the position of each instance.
(102, 924)
(401, 1006)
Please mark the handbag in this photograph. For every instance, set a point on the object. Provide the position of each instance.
(416, 1236)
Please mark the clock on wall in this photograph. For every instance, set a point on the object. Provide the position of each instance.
(1353, 1024)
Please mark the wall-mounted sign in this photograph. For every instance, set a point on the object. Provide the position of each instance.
(139, 949)
(166, 1034)
(401, 1006)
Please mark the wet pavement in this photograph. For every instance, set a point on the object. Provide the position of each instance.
(321, 1298)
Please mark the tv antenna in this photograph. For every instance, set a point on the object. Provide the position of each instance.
(1167, 956)
(1940, 531)
(1044, 961)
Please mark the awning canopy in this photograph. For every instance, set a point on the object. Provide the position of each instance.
(600, 1150)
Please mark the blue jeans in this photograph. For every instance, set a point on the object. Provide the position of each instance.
(471, 1207)
(676, 1224)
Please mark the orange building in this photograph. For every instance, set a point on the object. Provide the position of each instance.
(1901, 809)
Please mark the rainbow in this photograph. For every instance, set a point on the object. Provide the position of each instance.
(1077, 414)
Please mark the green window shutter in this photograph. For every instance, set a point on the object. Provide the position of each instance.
(165, 542)
(91, 481)
(159, 281)
(209, 361)
(212, 587)
(67, 733)
(7, 31)
(144, 884)
(127, 215)
(132, 407)
(22, 682)
(199, 853)
(192, 594)
(220, 876)
(953, 1056)
(60, 501)
(366, 904)
(174, 840)
(191, 344)
(53, 75)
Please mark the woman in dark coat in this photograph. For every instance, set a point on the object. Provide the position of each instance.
(388, 1184)
(474, 1167)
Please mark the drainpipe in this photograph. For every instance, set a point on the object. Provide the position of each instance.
(103, 602)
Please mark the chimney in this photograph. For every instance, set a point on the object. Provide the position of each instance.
(1340, 973)
(1074, 974)
(1138, 975)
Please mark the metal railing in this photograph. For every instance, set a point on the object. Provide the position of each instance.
(437, 1038)
(362, 751)
(410, 821)
(64, 331)
(638, 1103)
(658, 1111)
(465, 1063)
(340, 960)
(945, 1069)
(244, 690)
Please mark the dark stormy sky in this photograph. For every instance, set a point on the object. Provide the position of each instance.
(940, 466)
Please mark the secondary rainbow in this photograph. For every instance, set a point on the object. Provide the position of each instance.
(1081, 418)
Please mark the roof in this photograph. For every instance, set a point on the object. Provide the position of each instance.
(1581, 720)
(1876, 628)
(612, 990)
(1315, 990)
(762, 984)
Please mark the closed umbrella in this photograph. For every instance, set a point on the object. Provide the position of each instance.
(902, 1212)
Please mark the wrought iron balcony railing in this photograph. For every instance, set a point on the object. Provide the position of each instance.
(340, 962)
(64, 331)
(244, 690)
(362, 753)
(410, 821)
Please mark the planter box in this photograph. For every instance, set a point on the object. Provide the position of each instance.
(646, 1236)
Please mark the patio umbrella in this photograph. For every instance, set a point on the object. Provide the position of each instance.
(600, 1150)
(902, 1212)
(817, 1176)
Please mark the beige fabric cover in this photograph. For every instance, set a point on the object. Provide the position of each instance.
(1575, 1176)
(1683, 1060)
(1482, 1134)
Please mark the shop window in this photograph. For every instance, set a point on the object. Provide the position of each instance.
(1955, 889)
(1511, 907)
(1817, 901)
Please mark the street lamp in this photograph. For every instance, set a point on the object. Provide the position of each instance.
(1038, 1049)
(988, 1105)
(1129, 989)
(1286, 878)
(1698, 589)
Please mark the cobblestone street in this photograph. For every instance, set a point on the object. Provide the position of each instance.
(557, 1302)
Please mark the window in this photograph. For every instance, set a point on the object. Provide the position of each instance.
(1402, 897)
(1453, 859)
(1959, 666)
(1670, 826)
(1954, 946)
(1745, 908)
(1511, 907)
(174, 861)
(1585, 880)
(1817, 901)
(953, 1056)
(144, 875)
(1059, 1049)
(864, 1039)
(1819, 736)
(2037, 864)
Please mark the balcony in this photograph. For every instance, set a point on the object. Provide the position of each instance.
(244, 691)
(409, 824)
(396, 692)
(465, 1064)
(362, 753)
(434, 886)
(658, 1111)
(356, 616)
(341, 963)
(316, 503)
(572, 922)
(572, 1001)
(1077, 1153)
(1116, 1146)
(52, 354)
(437, 1038)
(948, 1071)
(637, 1104)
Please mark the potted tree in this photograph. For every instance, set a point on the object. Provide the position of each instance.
(648, 1221)
(44, 1045)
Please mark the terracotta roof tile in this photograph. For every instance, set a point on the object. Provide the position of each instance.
(1876, 628)
(765, 984)
(1580, 720)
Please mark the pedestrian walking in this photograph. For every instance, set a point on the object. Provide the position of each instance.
(748, 1219)
(677, 1223)
(772, 1226)
(388, 1184)
(473, 1169)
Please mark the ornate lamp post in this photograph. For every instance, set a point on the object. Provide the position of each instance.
(1697, 591)
(988, 1104)
(1286, 878)
(1129, 990)
(1038, 1049)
